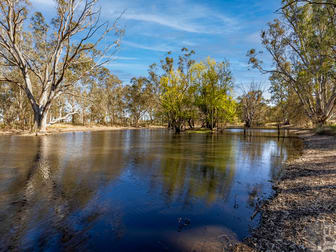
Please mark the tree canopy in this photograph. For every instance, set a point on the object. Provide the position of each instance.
(49, 58)
(302, 44)
(55, 70)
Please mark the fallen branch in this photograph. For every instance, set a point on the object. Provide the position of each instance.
(62, 118)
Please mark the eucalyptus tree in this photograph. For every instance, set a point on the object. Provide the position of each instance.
(102, 91)
(175, 76)
(14, 108)
(251, 104)
(175, 98)
(287, 108)
(190, 89)
(303, 47)
(153, 88)
(51, 57)
(213, 82)
(331, 3)
(114, 99)
(137, 97)
(185, 66)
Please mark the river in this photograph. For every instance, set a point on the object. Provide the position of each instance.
(135, 190)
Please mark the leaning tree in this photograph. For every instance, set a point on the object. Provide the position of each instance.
(302, 45)
(332, 3)
(51, 57)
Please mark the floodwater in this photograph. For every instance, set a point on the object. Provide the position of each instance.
(135, 190)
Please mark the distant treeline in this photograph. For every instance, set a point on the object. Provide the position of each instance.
(53, 72)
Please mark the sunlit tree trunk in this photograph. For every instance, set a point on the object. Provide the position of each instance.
(40, 121)
(45, 54)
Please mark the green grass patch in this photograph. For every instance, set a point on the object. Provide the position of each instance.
(199, 131)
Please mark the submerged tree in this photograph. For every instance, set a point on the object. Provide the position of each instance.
(302, 44)
(252, 105)
(195, 90)
(175, 98)
(213, 82)
(51, 57)
(173, 87)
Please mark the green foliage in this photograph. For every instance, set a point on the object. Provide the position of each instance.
(302, 45)
(200, 131)
(252, 106)
(51, 58)
(138, 96)
(195, 91)
(176, 97)
(288, 109)
(213, 83)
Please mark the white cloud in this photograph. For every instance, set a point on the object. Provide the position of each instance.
(219, 29)
(188, 43)
(159, 48)
(127, 65)
(123, 58)
(179, 15)
(165, 21)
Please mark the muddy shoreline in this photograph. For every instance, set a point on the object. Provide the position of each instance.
(301, 215)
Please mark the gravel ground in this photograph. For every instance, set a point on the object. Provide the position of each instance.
(301, 216)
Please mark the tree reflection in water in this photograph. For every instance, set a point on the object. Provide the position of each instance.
(126, 190)
(203, 169)
(41, 204)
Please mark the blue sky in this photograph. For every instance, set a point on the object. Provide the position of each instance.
(221, 29)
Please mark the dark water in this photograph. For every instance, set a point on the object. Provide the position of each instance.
(135, 190)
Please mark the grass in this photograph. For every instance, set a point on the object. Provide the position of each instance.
(199, 131)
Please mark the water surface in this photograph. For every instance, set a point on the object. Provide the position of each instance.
(134, 190)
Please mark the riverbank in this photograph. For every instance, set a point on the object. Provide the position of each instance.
(301, 216)
(63, 128)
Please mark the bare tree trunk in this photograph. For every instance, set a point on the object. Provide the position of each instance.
(78, 24)
(248, 123)
(177, 129)
(40, 119)
(212, 118)
(320, 122)
(191, 123)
